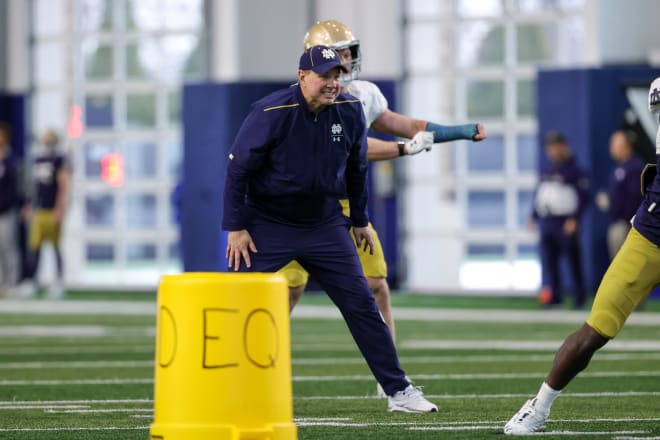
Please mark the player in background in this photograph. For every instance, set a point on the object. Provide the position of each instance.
(623, 196)
(422, 135)
(630, 278)
(51, 181)
(561, 197)
(10, 201)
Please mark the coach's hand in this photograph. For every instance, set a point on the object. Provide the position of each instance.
(420, 142)
(364, 234)
(238, 244)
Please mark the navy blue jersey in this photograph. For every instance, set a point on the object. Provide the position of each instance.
(624, 193)
(562, 193)
(9, 191)
(44, 174)
(292, 165)
(647, 218)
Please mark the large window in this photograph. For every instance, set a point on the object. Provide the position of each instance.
(476, 61)
(108, 74)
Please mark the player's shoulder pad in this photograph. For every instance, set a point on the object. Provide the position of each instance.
(361, 88)
(648, 175)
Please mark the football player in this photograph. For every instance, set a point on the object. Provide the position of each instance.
(630, 278)
(51, 173)
(422, 135)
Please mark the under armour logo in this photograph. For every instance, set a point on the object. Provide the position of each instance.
(654, 98)
(328, 54)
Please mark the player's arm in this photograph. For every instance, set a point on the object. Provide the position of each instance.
(396, 124)
(379, 149)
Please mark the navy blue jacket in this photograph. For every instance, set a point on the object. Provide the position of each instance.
(292, 166)
(624, 192)
(647, 218)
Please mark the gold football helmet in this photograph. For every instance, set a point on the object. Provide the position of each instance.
(338, 36)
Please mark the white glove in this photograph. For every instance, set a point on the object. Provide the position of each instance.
(654, 96)
(420, 142)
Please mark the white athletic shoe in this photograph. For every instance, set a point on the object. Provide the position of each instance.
(380, 392)
(410, 400)
(527, 420)
(25, 290)
(55, 291)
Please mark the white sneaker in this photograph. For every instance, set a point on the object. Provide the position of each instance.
(380, 392)
(527, 420)
(26, 290)
(55, 291)
(410, 400)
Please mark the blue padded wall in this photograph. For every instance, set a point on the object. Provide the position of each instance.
(587, 105)
(212, 114)
(12, 111)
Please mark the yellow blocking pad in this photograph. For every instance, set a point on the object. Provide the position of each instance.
(223, 358)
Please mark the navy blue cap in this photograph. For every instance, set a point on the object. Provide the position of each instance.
(320, 59)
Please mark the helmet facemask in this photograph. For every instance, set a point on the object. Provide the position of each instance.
(355, 65)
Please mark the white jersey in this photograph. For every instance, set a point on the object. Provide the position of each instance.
(373, 101)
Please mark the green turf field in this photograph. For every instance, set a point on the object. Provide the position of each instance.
(88, 375)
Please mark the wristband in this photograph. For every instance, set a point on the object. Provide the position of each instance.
(446, 133)
(402, 146)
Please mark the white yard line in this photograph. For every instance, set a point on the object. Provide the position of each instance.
(8, 403)
(68, 428)
(542, 433)
(86, 331)
(524, 345)
(489, 359)
(75, 364)
(111, 410)
(494, 396)
(72, 402)
(76, 350)
(117, 381)
(19, 407)
(343, 378)
(137, 308)
(45, 307)
(480, 376)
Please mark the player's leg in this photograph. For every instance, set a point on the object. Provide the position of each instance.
(381, 291)
(330, 257)
(375, 269)
(550, 253)
(52, 233)
(8, 253)
(616, 234)
(28, 287)
(296, 279)
(574, 252)
(631, 277)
